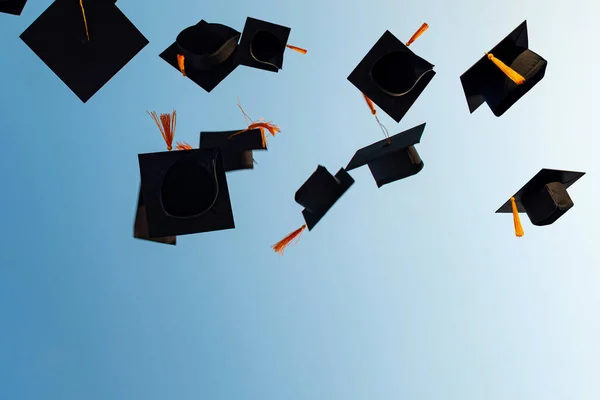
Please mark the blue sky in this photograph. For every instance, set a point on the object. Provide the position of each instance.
(414, 291)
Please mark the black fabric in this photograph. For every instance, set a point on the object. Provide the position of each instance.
(236, 150)
(209, 50)
(501, 92)
(140, 226)
(58, 38)
(544, 205)
(14, 7)
(263, 45)
(179, 188)
(316, 194)
(389, 162)
(544, 198)
(485, 82)
(395, 166)
(188, 188)
(392, 76)
(320, 192)
(393, 73)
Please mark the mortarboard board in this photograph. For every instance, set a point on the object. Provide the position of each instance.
(502, 76)
(263, 44)
(205, 53)
(140, 226)
(317, 195)
(392, 76)
(14, 7)
(182, 192)
(185, 192)
(393, 158)
(84, 43)
(236, 148)
(544, 198)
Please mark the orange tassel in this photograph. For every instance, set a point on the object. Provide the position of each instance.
(370, 104)
(298, 49)
(280, 246)
(418, 33)
(166, 124)
(184, 146)
(508, 71)
(516, 219)
(87, 33)
(272, 128)
(262, 125)
(181, 63)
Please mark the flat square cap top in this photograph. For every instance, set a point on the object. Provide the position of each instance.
(14, 7)
(263, 45)
(233, 141)
(545, 176)
(320, 192)
(381, 149)
(185, 192)
(392, 76)
(60, 39)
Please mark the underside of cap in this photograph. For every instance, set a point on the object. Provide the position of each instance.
(535, 188)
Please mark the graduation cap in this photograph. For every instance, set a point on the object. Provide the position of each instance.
(183, 191)
(392, 76)
(85, 43)
(544, 198)
(236, 148)
(502, 76)
(317, 195)
(205, 53)
(393, 158)
(14, 7)
(263, 44)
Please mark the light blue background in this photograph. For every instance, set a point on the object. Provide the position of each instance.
(413, 291)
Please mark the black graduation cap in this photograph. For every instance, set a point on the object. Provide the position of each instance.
(493, 79)
(544, 198)
(14, 7)
(392, 76)
(185, 192)
(393, 159)
(140, 227)
(208, 51)
(317, 195)
(84, 46)
(262, 45)
(236, 146)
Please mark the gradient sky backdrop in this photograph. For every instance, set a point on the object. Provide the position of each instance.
(415, 291)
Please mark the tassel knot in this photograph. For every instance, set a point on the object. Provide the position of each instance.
(166, 123)
(508, 71)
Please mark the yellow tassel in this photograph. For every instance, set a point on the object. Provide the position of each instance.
(508, 71)
(181, 63)
(87, 32)
(280, 246)
(418, 33)
(516, 219)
